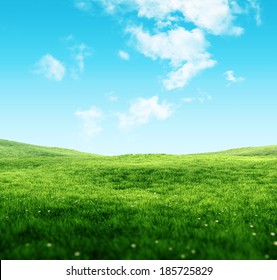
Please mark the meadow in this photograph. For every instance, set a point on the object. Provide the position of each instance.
(63, 204)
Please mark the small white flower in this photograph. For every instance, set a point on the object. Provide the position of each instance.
(251, 226)
(275, 243)
(206, 225)
(133, 245)
(193, 251)
(254, 233)
(216, 221)
(183, 256)
(77, 254)
(272, 233)
(49, 211)
(49, 245)
(156, 241)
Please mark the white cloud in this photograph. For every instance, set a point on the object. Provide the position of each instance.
(79, 53)
(112, 97)
(143, 110)
(84, 5)
(124, 55)
(254, 4)
(188, 99)
(214, 16)
(91, 121)
(51, 68)
(180, 31)
(176, 45)
(181, 77)
(185, 50)
(230, 76)
(201, 97)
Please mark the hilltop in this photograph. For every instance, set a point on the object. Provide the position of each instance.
(252, 151)
(17, 149)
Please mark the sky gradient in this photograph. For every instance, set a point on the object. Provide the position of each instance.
(120, 76)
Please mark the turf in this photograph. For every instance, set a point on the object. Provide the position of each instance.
(62, 204)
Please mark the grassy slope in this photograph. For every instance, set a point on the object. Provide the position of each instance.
(216, 206)
(257, 151)
(16, 149)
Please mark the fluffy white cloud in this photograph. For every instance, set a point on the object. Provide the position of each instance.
(180, 31)
(176, 45)
(214, 16)
(143, 110)
(230, 76)
(180, 77)
(186, 51)
(50, 67)
(124, 55)
(91, 121)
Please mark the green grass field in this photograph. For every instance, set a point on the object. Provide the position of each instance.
(62, 204)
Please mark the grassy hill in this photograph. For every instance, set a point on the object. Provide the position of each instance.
(16, 149)
(257, 151)
(62, 204)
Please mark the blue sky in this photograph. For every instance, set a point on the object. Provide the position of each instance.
(136, 76)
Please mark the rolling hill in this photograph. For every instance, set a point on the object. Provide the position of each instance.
(11, 148)
(63, 204)
(16, 149)
(253, 151)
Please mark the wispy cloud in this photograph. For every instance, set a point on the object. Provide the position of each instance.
(79, 53)
(83, 5)
(112, 97)
(188, 99)
(200, 97)
(142, 111)
(124, 55)
(91, 120)
(255, 5)
(231, 78)
(50, 67)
